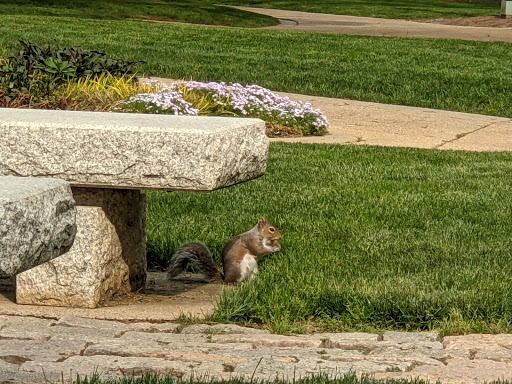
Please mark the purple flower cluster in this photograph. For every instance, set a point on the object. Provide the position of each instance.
(256, 101)
(165, 100)
(249, 100)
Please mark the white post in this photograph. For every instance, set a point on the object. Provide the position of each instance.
(506, 8)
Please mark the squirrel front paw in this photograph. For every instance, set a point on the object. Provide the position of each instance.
(275, 246)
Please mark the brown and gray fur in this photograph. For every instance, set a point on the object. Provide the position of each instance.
(197, 254)
(238, 256)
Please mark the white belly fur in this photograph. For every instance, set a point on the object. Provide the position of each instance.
(248, 267)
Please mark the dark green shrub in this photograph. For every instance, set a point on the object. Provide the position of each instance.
(95, 63)
(36, 71)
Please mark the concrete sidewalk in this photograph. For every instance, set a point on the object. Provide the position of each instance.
(365, 123)
(353, 25)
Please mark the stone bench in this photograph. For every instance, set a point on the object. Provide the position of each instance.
(37, 222)
(108, 158)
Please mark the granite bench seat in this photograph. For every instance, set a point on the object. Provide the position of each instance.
(108, 159)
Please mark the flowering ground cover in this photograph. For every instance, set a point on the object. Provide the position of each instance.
(194, 98)
(77, 79)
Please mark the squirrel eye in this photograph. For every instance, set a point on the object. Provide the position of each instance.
(271, 229)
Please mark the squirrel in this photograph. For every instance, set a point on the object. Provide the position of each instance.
(238, 256)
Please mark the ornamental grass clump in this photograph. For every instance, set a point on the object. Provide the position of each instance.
(281, 114)
(104, 92)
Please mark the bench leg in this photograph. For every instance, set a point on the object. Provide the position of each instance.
(107, 258)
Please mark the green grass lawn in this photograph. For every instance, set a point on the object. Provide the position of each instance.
(190, 11)
(445, 74)
(374, 238)
(389, 9)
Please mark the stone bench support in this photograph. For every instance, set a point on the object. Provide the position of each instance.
(108, 257)
(37, 222)
(108, 158)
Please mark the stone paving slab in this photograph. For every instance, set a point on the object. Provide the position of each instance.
(71, 345)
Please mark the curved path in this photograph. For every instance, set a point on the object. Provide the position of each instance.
(368, 123)
(353, 25)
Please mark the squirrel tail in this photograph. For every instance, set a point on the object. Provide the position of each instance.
(197, 254)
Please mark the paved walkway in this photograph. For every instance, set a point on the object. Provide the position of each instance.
(144, 335)
(364, 123)
(34, 350)
(353, 25)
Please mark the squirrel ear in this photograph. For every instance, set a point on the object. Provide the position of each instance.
(262, 222)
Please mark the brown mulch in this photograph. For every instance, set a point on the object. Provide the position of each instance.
(477, 21)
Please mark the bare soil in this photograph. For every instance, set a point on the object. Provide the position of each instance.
(162, 300)
(477, 21)
(188, 286)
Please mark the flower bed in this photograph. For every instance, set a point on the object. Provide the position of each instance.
(282, 115)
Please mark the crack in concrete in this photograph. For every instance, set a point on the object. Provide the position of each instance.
(461, 135)
(87, 345)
